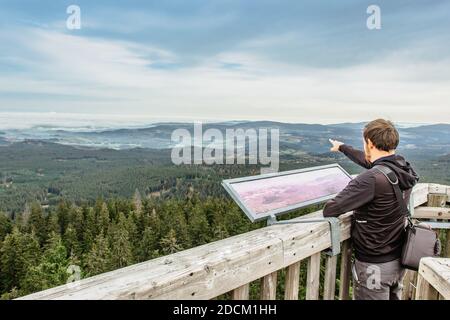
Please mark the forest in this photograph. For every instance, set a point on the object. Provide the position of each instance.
(37, 248)
(68, 211)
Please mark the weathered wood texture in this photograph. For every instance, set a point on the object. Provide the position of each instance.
(409, 281)
(439, 188)
(241, 293)
(313, 277)
(269, 287)
(346, 254)
(329, 285)
(213, 269)
(432, 213)
(292, 282)
(434, 278)
(437, 200)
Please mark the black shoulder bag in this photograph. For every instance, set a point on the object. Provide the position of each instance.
(420, 240)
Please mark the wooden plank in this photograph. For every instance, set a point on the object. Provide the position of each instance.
(330, 278)
(408, 285)
(436, 272)
(439, 188)
(346, 254)
(414, 282)
(431, 213)
(241, 293)
(313, 277)
(420, 193)
(269, 287)
(292, 281)
(437, 199)
(424, 290)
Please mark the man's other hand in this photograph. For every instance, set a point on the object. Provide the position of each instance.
(336, 144)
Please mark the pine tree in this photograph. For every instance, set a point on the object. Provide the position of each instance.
(52, 269)
(199, 230)
(62, 212)
(36, 223)
(137, 201)
(71, 242)
(148, 246)
(5, 226)
(103, 219)
(18, 253)
(52, 225)
(169, 243)
(90, 230)
(99, 258)
(120, 243)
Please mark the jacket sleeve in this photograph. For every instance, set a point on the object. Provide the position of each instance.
(357, 156)
(358, 193)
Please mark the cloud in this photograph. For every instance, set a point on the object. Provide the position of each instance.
(217, 62)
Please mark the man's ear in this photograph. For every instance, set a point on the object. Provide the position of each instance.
(370, 145)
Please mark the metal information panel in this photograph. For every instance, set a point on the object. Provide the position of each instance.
(269, 195)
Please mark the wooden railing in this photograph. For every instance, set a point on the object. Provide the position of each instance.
(232, 264)
(433, 281)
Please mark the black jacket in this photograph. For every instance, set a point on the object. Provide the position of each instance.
(378, 221)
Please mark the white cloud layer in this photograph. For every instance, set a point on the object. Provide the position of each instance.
(69, 74)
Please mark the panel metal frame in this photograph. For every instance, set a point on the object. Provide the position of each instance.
(227, 184)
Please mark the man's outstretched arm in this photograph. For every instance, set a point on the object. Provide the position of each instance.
(357, 156)
(358, 192)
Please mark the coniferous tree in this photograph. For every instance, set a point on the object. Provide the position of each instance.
(103, 219)
(5, 226)
(148, 246)
(169, 243)
(99, 258)
(120, 243)
(52, 269)
(52, 225)
(62, 212)
(199, 230)
(90, 230)
(19, 251)
(70, 241)
(137, 201)
(36, 222)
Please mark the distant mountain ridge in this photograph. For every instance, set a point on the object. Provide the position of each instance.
(298, 136)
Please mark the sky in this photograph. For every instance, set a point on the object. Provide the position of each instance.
(293, 61)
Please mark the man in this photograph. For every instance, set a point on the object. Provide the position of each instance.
(378, 223)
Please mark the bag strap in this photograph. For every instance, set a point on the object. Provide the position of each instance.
(393, 179)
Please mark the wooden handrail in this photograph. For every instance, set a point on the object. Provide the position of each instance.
(213, 269)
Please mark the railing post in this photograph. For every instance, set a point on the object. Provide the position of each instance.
(241, 293)
(440, 200)
(346, 255)
(292, 281)
(408, 285)
(424, 290)
(269, 287)
(313, 277)
(330, 278)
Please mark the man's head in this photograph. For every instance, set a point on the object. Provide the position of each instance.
(381, 138)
